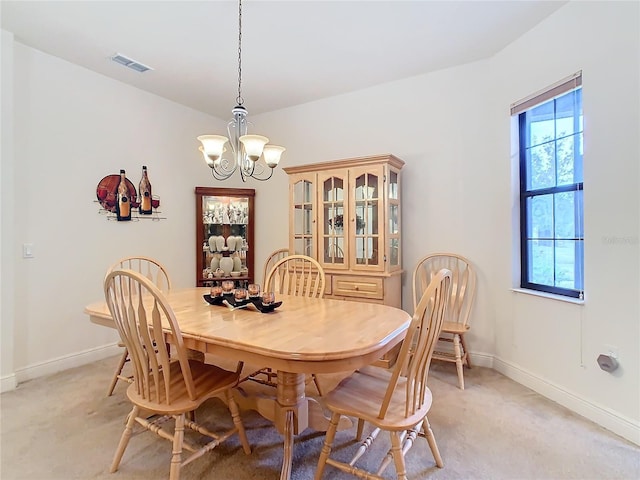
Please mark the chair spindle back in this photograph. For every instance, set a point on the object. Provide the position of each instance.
(150, 268)
(297, 275)
(271, 260)
(415, 355)
(463, 283)
(139, 309)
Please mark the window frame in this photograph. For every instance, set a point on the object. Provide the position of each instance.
(520, 109)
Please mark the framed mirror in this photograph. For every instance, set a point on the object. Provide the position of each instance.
(224, 235)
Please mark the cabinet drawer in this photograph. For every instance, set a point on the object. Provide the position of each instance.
(362, 287)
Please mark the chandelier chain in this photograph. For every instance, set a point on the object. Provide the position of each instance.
(246, 150)
(239, 99)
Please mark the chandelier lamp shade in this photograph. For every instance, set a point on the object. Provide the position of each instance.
(246, 150)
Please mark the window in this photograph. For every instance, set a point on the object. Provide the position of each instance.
(551, 189)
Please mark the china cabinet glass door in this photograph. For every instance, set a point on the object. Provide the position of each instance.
(367, 190)
(303, 226)
(346, 214)
(224, 234)
(333, 219)
(393, 234)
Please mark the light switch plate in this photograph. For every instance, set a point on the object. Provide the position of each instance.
(27, 250)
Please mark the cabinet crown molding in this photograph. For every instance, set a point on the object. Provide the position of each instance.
(347, 162)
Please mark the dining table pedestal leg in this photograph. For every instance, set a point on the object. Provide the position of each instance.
(291, 414)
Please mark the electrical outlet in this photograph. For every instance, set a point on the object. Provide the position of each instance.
(611, 351)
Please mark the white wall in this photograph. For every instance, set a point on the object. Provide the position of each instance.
(460, 194)
(452, 128)
(7, 299)
(603, 40)
(438, 126)
(71, 128)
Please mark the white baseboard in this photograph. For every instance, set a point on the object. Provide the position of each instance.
(481, 359)
(8, 383)
(618, 424)
(63, 363)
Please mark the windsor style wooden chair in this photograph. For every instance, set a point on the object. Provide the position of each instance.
(168, 386)
(451, 346)
(395, 401)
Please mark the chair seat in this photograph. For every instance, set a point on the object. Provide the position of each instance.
(454, 327)
(362, 393)
(209, 380)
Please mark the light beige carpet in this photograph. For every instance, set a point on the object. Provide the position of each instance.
(63, 427)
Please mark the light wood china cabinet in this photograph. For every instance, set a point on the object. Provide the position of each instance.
(224, 230)
(346, 215)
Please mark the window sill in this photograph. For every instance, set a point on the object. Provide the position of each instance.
(551, 296)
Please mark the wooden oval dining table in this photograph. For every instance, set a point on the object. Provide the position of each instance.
(302, 336)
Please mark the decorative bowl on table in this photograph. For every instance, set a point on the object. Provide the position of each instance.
(236, 274)
(257, 302)
(233, 303)
(214, 300)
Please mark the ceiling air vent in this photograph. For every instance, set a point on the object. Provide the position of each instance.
(130, 63)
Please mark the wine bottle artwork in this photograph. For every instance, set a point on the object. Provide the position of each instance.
(123, 203)
(144, 191)
(120, 201)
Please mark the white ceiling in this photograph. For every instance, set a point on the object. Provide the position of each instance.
(293, 52)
